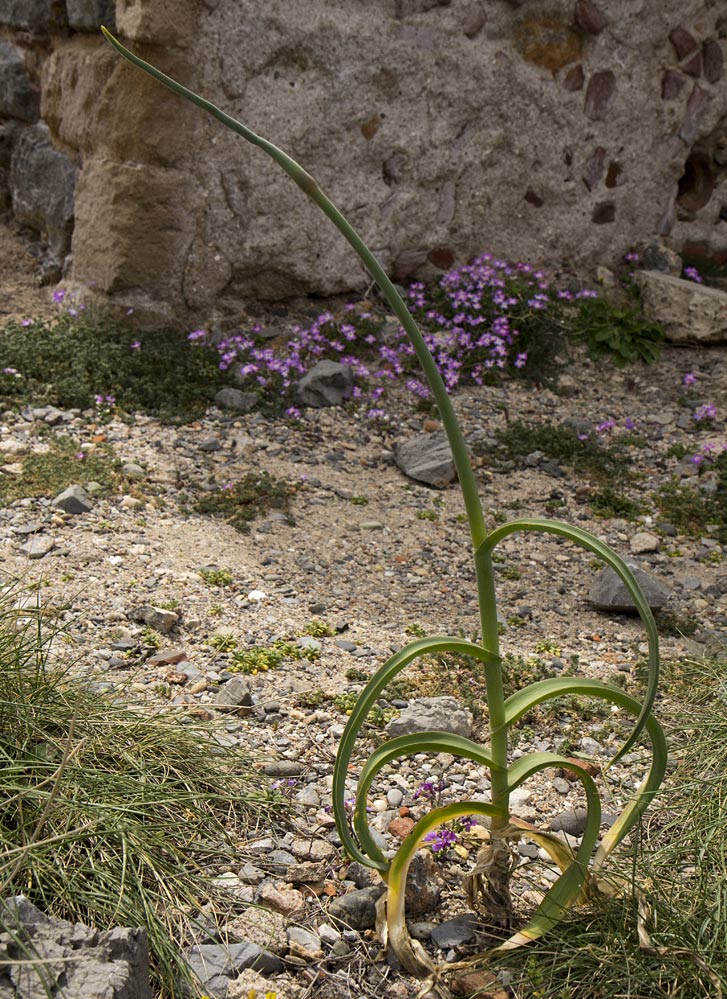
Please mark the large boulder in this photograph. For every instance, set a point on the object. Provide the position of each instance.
(41, 956)
(19, 98)
(564, 135)
(690, 313)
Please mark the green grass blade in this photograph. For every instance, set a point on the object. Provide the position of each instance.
(588, 541)
(369, 695)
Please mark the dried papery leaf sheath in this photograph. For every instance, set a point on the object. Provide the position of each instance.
(490, 878)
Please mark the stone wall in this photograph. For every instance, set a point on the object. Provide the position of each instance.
(564, 133)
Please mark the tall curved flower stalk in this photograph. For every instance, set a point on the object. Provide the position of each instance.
(489, 883)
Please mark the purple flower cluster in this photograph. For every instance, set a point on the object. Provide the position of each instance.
(429, 789)
(441, 840)
(709, 451)
(706, 412)
(470, 321)
(693, 275)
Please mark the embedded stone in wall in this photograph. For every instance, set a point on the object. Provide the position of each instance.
(599, 95)
(18, 97)
(672, 84)
(589, 18)
(604, 213)
(37, 16)
(548, 42)
(593, 169)
(574, 78)
(713, 60)
(42, 184)
(682, 41)
(88, 15)
(693, 66)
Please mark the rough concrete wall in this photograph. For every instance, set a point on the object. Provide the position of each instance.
(564, 133)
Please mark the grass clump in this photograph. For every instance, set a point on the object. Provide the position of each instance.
(239, 503)
(561, 443)
(47, 472)
(113, 817)
(68, 360)
(672, 882)
(609, 502)
(691, 509)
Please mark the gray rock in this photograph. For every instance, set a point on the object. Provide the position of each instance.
(304, 943)
(18, 97)
(284, 768)
(76, 960)
(161, 620)
(609, 593)
(236, 695)
(456, 931)
(42, 185)
(658, 257)
(357, 909)
(232, 398)
(441, 714)
(690, 313)
(75, 499)
(37, 16)
(427, 458)
(217, 964)
(572, 821)
(327, 383)
(210, 444)
(88, 15)
(38, 547)
(132, 470)
(643, 542)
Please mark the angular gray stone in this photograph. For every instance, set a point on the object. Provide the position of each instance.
(427, 458)
(18, 97)
(232, 398)
(357, 909)
(217, 964)
(89, 15)
(235, 695)
(158, 618)
(644, 541)
(77, 960)
(327, 383)
(304, 943)
(690, 313)
(572, 821)
(42, 185)
(609, 593)
(75, 499)
(456, 931)
(38, 547)
(440, 714)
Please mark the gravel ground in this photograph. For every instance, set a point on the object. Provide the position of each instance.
(361, 554)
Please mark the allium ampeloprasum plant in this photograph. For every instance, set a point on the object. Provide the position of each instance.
(489, 882)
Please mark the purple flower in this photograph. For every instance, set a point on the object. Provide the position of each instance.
(629, 423)
(440, 840)
(136, 345)
(689, 379)
(606, 426)
(706, 412)
(520, 360)
(196, 334)
(129, 312)
(693, 274)
(27, 322)
(631, 257)
(59, 295)
(293, 412)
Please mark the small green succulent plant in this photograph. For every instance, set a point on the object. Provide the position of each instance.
(488, 884)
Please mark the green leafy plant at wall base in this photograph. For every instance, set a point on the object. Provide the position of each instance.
(488, 884)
